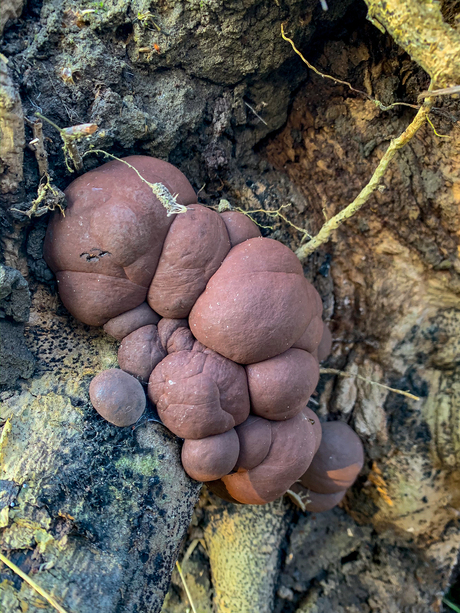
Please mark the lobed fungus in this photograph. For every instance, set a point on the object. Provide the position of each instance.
(217, 323)
(335, 467)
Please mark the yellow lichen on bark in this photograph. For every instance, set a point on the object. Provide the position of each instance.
(419, 28)
(243, 547)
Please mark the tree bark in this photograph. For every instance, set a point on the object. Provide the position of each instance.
(420, 28)
(94, 513)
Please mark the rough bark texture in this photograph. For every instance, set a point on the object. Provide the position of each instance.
(96, 514)
(420, 28)
(11, 132)
(390, 286)
(232, 536)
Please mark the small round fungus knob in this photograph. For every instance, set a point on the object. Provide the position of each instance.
(127, 322)
(117, 397)
(211, 458)
(281, 386)
(337, 462)
(240, 227)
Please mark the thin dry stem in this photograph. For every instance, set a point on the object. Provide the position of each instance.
(160, 191)
(38, 147)
(32, 584)
(445, 91)
(398, 143)
(189, 596)
(381, 106)
(341, 373)
(224, 205)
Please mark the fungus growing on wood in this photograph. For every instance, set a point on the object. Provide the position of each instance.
(233, 361)
(199, 393)
(212, 457)
(281, 386)
(117, 397)
(194, 248)
(291, 450)
(127, 322)
(140, 352)
(105, 250)
(239, 227)
(337, 462)
(256, 305)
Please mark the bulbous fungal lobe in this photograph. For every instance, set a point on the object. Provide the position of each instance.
(255, 438)
(256, 305)
(119, 327)
(291, 449)
(311, 338)
(247, 303)
(199, 393)
(239, 227)
(194, 248)
(175, 335)
(105, 250)
(140, 352)
(317, 429)
(280, 387)
(212, 457)
(338, 461)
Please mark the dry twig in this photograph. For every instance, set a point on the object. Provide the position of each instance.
(398, 143)
(32, 584)
(381, 106)
(37, 146)
(421, 30)
(159, 190)
(332, 224)
(189, 596)
(341, 373)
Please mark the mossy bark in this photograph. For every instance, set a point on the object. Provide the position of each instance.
(243, 544)
(93, 512)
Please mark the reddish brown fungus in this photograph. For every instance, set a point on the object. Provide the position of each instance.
(117, 397)
(234, 360)
(337, 462)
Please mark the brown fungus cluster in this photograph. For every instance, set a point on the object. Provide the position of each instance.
(218, 323)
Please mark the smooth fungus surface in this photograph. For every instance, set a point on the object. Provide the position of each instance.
(217, 324)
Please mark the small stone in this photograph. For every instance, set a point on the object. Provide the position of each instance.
(286, 593)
